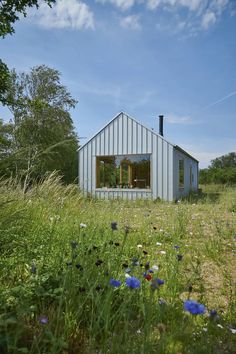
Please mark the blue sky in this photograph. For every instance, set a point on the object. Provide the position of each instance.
(145, 57)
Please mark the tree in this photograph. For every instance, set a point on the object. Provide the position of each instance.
(10, 10)
(43, 137)
(222, 170)
(225, 161)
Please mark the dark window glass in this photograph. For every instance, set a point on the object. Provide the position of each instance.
(181, 173)
(129, 171)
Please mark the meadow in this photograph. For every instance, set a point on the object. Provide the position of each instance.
(96, 276)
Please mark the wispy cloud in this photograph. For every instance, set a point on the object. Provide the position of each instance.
(179, 119)
(65, 14)
(220, 100)
(131, 22)
(121, 4)
(199, 14)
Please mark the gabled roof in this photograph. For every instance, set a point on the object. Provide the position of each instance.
(160, 136)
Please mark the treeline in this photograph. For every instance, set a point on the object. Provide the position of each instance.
(221, 171)
(40, 136)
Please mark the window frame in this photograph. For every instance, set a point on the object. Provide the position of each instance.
(98, 159)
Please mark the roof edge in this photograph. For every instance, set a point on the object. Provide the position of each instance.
(185, 152)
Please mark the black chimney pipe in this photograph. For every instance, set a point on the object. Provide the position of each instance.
(161, 125)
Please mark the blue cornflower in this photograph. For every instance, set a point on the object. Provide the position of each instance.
(194, 307)
(43, 320)
(114, 225)
(156, 283)
(133, 282)
(179, 257)
(213, 315)
(177, 247)
(115, 283)
(33, 269)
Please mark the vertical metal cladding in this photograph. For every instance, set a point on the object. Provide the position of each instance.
(123, 136)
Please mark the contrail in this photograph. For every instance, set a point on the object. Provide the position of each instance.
(220, 100)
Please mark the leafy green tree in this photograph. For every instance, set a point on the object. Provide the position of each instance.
(43, 137)
(221, 171)
(225, 161)
(10, 11)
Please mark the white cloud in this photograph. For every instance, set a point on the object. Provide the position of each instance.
(65, 14)
(131, 22)
(176, 119)
(208, 19)
(122, 4)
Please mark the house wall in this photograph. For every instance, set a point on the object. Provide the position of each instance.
(123, 136)
(188, 161)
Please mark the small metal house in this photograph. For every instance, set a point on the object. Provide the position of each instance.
(127, 160)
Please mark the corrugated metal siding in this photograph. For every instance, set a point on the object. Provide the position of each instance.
(123, 136)
(181, 192)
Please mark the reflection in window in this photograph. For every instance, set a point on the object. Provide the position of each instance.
(130, 171)
(181, 173)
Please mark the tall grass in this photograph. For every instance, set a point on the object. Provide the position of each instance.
(59, 253)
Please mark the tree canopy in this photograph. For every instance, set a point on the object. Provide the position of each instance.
(222, 170)
(10, 10)
(41, 135)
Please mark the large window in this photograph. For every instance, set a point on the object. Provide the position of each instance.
(181, 173)
(123, 171)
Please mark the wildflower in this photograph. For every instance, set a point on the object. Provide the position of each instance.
(147, 276)
(156, 283)
(194, 307)
(83, 226)
(158, 243)
(161, 301)
(114, 225)
(139, 246)
(162, 252)
(177, 247)
(74, 244)
(133, 282)
(155, 267)
(98, 262)
(150, 271)
(179, 257)
(220, 326)
(43, 320)
(232, 329)
(127, 275)
(135, 262)
(213, 315)
(115, 283)
(33, 268)
(128, 270)
(79, 266)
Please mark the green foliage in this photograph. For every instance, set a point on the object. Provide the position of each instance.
(43, 137)
(10, 10)
(221, 171)
(44, 237)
